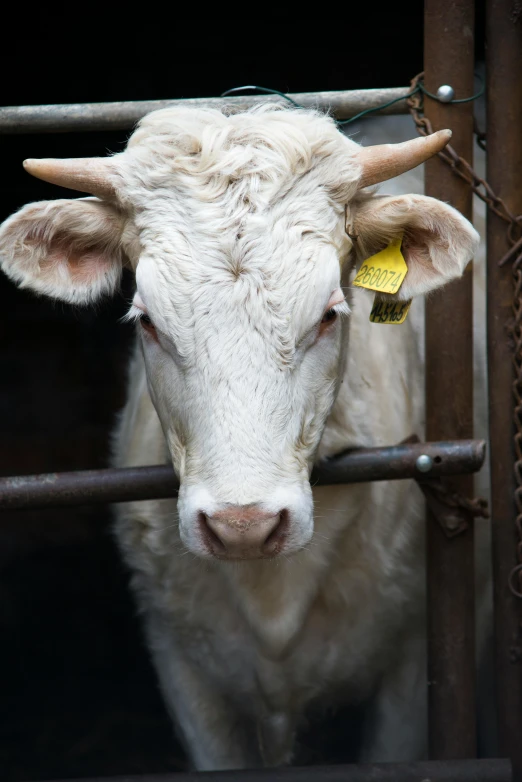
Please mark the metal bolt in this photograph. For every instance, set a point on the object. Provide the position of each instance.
(424, 463)
(445, 93)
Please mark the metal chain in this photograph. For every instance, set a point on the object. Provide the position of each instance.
(515, 577)
(477, 507)
(462, 168)
(483, 190)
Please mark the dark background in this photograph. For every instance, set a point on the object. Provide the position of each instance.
(77, 694)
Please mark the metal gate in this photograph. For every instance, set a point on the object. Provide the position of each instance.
(444, 465)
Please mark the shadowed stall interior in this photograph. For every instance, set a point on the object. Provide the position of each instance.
(78, 695)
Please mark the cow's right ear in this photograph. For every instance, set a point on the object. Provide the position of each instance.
(66, 249)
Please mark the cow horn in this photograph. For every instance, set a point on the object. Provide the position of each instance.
(385, 161)
(89, 175)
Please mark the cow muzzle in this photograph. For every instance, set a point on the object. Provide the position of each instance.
(244, 532)
(213, 527)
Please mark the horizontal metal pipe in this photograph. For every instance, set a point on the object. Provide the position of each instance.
(146, 483)
(435, 771)
(123, 115)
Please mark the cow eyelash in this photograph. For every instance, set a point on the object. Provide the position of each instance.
(133, 315)
(331, 313)
(136, 314)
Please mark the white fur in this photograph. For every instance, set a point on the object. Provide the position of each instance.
(236, 228)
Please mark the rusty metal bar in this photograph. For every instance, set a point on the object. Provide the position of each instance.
(123, 115)
(448, 59)
(434, 771)
(504, 173)
(145, 483)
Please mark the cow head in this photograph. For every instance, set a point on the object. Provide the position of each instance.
(236, 228)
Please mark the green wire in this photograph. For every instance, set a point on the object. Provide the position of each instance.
(419, 88)
(262, 89)
(377, 108)
(459, 100)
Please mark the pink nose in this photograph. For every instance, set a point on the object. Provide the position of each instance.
(244, 532)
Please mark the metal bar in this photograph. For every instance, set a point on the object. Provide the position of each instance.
(123, 115)
(144, 483)
(434, 771)
(504, 172)
(448, 59)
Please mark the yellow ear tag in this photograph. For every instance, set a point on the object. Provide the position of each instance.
(385, 271)
(390, 312)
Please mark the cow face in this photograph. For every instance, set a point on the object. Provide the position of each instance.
(236, 229)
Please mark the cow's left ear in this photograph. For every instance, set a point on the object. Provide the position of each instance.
(438, 243)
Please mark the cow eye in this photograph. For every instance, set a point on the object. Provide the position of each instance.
(146, 322)
(329, 316)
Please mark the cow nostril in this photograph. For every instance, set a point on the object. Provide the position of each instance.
(209, 536)
(276, 537)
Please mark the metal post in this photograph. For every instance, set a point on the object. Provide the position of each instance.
(504, 172)
(448, 59)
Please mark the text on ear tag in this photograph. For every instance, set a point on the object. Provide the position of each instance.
(385, 271)
(389, 312)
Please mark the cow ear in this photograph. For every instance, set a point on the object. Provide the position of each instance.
(66, 249)
(438, 242)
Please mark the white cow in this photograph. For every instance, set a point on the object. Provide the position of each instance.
(254, 359)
